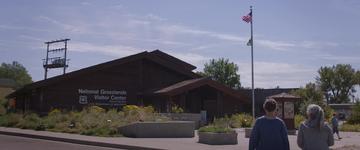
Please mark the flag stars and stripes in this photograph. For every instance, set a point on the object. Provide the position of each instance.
(247, 18)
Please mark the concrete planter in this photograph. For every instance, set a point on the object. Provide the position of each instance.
(186, 117)
(169, 129)
(211, 138)
(248, 132)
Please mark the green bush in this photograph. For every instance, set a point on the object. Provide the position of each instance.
(10, 120)
(31, 121)
(328, 112)
(241, 120)
(55, 118)
(90, 121)
(176, 109)
(2, 110)
(298, 120)
(134, 113)
(219, 125)
(355, 114)
(346, 127)
(215, 129)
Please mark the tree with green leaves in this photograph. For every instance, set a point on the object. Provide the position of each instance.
(223, 71)
(311, 94)
(15, 71)
(338, 82)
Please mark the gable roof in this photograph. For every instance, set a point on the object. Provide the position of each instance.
(174, 60)
(195, 83)
(155, 57)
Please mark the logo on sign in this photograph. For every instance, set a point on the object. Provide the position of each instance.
(83, 99)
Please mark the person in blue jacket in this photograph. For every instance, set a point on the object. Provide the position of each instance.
(269, 131)
(335, 125)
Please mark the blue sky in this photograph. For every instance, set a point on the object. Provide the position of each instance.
(293, 39)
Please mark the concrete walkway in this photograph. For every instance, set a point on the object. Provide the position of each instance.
(349, 138)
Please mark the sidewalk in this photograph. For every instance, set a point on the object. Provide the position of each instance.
(349, 138)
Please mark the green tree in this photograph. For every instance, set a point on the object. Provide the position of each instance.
(310, 94)
(355, 114)
(223, 71)
(15, 71)
(338, 82)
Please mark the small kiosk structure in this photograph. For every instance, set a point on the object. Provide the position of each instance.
(285, 109)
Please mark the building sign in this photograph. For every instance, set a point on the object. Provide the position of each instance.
(102, 97)
(288, 110)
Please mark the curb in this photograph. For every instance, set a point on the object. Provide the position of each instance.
(77, 141)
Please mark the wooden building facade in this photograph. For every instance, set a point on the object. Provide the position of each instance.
(148, 78)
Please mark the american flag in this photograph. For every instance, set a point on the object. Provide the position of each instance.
(247, 18)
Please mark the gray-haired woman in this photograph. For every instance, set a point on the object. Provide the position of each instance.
(314, 134)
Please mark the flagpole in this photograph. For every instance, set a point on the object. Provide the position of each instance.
(252, 64)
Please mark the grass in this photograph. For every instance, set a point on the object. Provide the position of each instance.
(346, 127)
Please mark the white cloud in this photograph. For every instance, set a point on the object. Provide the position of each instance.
(123, 51)
(178, 29)
(339, 59)
(65, 26)
(111, 50)
(192, 58)
(155, 17)
(276, 45)
(290, 45)
(317, 44)
(270, 74)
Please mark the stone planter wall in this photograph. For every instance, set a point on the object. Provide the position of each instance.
(218, 138)
(248, 132)
(186, 117)
(169, 129)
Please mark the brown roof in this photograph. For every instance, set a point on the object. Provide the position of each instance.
(154, 56)
(195, 83)
(174, 60)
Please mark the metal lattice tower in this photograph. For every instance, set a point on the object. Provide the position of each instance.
(56, 58)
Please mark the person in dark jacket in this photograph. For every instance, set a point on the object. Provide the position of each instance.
(269, 131)
(314, 133)
(335, 125)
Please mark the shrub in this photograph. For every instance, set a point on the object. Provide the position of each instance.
(328, 112)
(2, 110)
(31, 121)
(134, 113)
(95, 109)
(350, 127)
(219, 125)
(176, 109)
(10, 120)
(55, 118)
(215, 129)
(298, 120)
(355, 114)
(241, 120)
